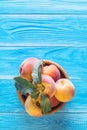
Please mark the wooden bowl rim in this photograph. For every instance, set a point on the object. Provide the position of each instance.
(61, 104)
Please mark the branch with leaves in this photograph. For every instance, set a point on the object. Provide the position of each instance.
(35, 88)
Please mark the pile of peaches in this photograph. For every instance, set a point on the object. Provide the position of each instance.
(43, 86)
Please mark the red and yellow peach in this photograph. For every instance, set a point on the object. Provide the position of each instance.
(49, 85)
(26, 68)
(64, 90)
(54, 102)
(32, 108)
(52, 71)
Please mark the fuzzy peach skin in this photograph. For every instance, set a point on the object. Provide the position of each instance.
(54, 102)
(26, 68)
(31, 108)
(65, 90)
(52, 71)
(49, 85)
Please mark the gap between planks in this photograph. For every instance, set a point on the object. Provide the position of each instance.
(25, 45)
(10, 77)
(23, 113)
(22, 14)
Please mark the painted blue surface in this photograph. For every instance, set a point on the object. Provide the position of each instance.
(53, 30)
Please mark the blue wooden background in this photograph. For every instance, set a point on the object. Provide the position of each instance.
(46, 29)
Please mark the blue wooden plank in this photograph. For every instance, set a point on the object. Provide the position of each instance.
(36, 30)
(59, 33)
(59, 121)
(43, 7)
(73, 60)
(9, 101)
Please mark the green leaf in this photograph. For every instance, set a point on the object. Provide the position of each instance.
(24, 85)
(35, 94)
(22, 89)
(36, 72)
(45, 103)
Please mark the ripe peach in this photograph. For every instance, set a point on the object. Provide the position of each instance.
(49, 85)
(52, 71)
(31, 107)
(26, 68)
(54, 102)
(64, 90)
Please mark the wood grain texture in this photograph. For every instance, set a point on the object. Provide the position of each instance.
(9, 102)
(59, 121)
(50, 29)
(43, 7)
(73, 60)
(43, 30)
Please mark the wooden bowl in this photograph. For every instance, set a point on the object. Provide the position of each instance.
(22, 98)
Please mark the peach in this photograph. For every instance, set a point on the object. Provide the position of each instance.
(32, 108)
(49, 85)
(64, 90)
(54, 102)
(26, 68)
(52, 71)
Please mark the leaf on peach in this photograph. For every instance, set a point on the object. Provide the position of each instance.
(35, 94)
(24, 85)
(36, 72)
(45, 103)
